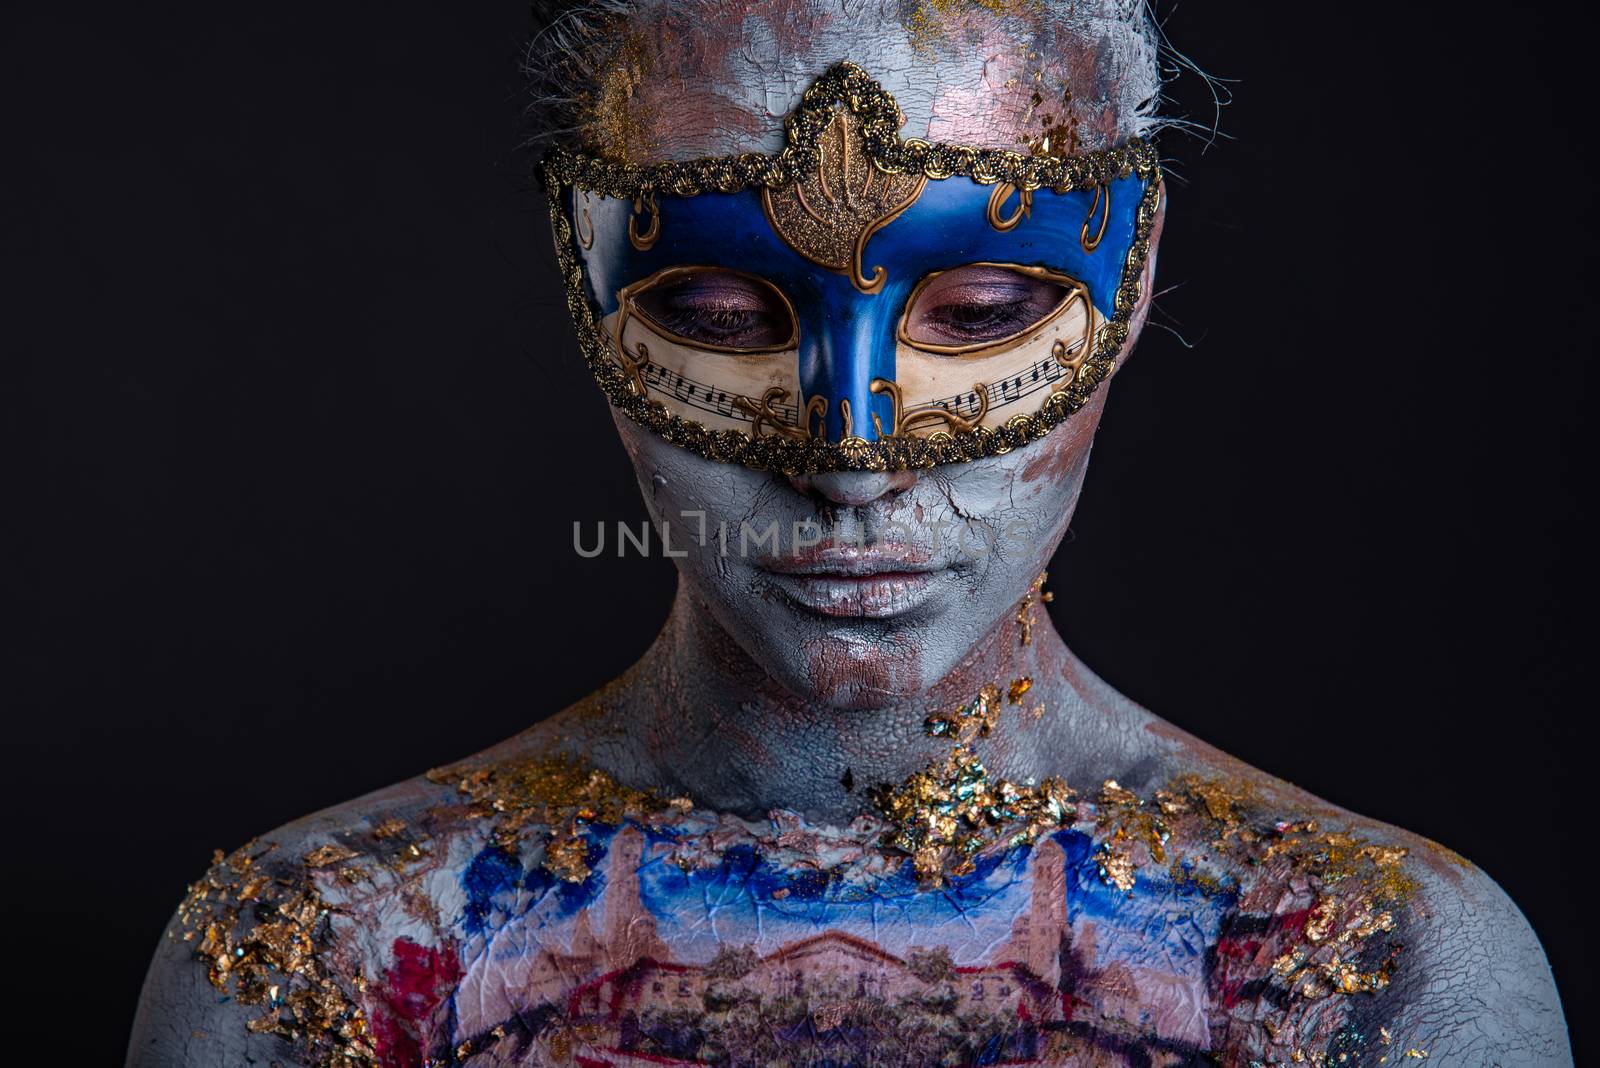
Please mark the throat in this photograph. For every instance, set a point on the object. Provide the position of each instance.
(700, 717)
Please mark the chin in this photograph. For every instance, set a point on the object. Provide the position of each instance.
(851, 667)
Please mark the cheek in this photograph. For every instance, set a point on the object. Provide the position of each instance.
(1032, 489)
(1059, 463)
(677, 485)
(1026, 500)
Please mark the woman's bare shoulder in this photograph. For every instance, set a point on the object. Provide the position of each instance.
(239, 975)
(1474, 987)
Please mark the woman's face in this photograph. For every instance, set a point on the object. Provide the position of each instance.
(859, 589)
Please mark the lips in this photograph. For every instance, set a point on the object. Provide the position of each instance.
(865, 582)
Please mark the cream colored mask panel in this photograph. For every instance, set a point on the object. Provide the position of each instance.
(740, 370)
(939, 374)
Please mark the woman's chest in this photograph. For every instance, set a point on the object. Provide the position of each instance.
(1036, 956)
(1177, 931)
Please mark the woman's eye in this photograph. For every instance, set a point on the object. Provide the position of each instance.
(720, 308)
(978, 305)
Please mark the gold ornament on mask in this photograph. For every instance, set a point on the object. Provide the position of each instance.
(1073, 357)
(645, 241)
(766, 417)
(904, 420)
(1102, 204)
(997, 199)
(829, 215)
(585, 229)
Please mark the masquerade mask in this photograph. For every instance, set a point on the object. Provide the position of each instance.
(856, 301)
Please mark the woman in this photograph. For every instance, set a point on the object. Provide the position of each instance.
(855, 279)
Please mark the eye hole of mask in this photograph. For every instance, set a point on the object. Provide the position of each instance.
(978, 305)
(715, 308)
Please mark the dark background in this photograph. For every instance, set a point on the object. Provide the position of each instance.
(303, 436)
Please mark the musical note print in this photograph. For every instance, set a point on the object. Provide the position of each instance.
(972, 404)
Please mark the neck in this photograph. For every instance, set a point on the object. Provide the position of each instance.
(701, 718)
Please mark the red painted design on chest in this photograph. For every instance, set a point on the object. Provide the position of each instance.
(414, 986)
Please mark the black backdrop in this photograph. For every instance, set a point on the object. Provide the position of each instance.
(303, 437)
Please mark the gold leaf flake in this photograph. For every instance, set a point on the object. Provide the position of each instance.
(325, 855)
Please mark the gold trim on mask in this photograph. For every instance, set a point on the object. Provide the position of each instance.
(765, 414)
(1073, 364)
(905, 420)
(1002, 193)
(646, 241)
(1102, 192)
(585, 239)
(633, 365)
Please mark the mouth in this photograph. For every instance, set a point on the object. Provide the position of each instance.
(850, 582)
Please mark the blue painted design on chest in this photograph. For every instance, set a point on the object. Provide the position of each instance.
(1161, 923)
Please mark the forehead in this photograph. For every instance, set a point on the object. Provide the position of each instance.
(684, 79)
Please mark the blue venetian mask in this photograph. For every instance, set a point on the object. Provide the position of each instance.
(856, 301)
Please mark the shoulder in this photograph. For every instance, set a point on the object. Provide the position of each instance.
(1481, 991)
(264, 961)
(1472, 985)
(1478, 989)
(218, 983)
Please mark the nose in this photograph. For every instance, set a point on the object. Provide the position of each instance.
(853, 489)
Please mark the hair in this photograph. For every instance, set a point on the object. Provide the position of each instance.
(609, 75)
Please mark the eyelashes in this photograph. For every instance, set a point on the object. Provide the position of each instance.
(728, 327)
(957, 310)
(977, 305)
(719, 308)
(980, 322)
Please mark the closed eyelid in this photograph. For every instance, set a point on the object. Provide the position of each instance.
(965, 308)
(715, 307)
(983, 293)
(982, 283)
(718, 296)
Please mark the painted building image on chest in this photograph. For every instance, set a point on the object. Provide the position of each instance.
(856, 280)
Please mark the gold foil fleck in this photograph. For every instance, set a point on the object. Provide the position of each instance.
(261, 939)
(567, 858)
(1035, 594)
(554, 797)
(1115, 867)
(327, 855)
(946, 815)
(389, 828)
(1112, 793)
